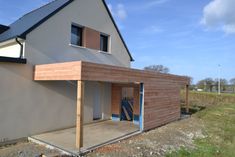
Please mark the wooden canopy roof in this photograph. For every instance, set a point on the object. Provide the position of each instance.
(80, 70)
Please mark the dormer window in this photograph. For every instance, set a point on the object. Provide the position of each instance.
(104, 42)
(76, 35)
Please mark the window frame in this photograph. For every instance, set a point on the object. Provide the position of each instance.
(81, 28)
(102, 35)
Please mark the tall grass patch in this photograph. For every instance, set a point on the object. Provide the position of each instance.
(207, 99)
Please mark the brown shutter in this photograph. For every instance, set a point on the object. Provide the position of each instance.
(91, 38)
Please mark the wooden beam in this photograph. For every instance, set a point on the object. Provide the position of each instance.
(186, 98)
(58, 71)
(80, 103)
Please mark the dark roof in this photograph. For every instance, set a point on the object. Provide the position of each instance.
(3, 28)
(33, 19)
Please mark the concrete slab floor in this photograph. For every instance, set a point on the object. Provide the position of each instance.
(94, 134)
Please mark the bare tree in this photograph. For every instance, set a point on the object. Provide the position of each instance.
(190, 79)
(206, 84)
(223, 84)
(232, 81)
(157, 68)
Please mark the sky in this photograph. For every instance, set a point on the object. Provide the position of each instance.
(189, 37)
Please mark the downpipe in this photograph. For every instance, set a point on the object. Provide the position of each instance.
(21, 48)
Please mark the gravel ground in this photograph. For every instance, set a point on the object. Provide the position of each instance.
(27, 149)
(156, 142)
(153, 143)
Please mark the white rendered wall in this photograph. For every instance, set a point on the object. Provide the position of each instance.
(28, 107)
(10, 50)
(105, 100)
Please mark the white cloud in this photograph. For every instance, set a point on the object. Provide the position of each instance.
(119, 11)
(148, 5)
(220, 14)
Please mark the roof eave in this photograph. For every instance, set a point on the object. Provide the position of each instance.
(10, 40)
(13, 60)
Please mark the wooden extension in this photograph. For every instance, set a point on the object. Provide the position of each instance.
(161, 101)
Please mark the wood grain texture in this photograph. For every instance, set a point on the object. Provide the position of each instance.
(91, 38)
(58, 71)
(80, 104)
(186, 98)
(136, 110)
(116, 99)
(161, 91)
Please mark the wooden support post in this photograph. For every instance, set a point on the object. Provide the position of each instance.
(141, 107)
(186, 98)
(79, 126)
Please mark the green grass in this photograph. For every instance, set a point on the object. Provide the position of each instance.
(208, 99)
(214, 94)
(219, 120)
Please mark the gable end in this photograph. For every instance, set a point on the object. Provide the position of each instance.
(110, 15)
(30, 29)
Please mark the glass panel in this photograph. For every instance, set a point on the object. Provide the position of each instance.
(76, 35)
(104, 43)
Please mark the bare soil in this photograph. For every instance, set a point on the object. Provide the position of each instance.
(157, 142)
(26, 149)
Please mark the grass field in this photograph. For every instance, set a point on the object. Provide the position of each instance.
(219, 120)
(208, 99)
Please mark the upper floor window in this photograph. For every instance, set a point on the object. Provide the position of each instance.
(76, 35)
(104, 43)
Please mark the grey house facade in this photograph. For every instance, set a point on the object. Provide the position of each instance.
(44, 36)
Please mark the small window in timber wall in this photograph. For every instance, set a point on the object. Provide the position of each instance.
(104, 43)
(76, 35)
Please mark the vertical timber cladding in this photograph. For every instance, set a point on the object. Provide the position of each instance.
(116, 101)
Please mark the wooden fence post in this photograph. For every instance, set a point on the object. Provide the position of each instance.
(186, 98)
